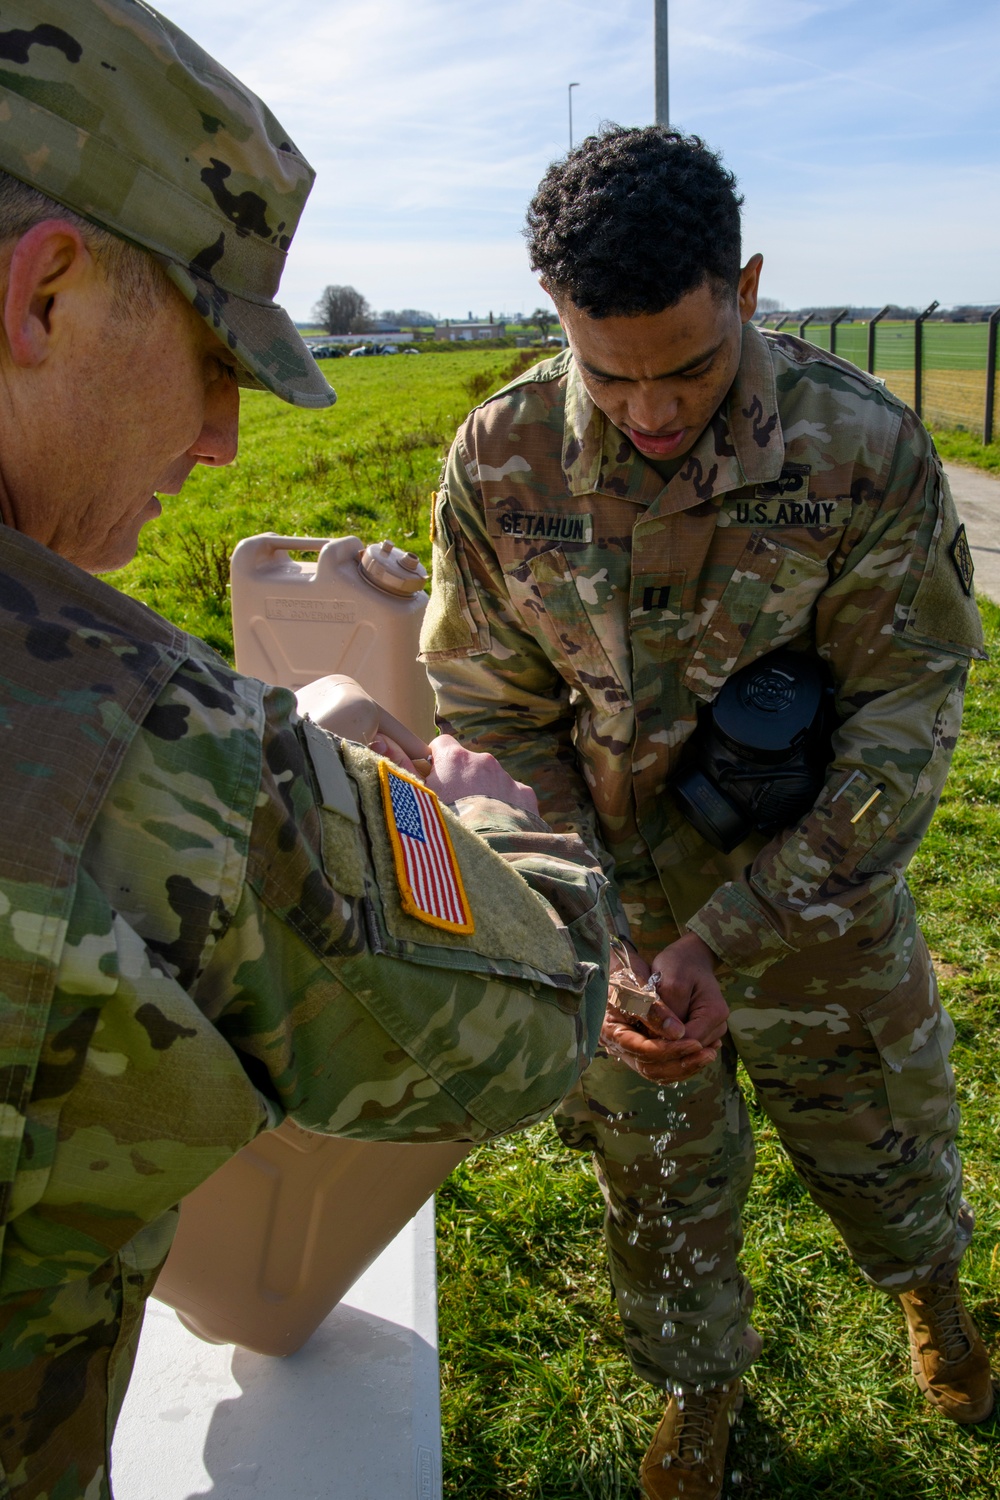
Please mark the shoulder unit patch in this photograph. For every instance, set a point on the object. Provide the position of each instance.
(427, 873)
(961, 556)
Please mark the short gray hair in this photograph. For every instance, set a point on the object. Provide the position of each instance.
(138, 283)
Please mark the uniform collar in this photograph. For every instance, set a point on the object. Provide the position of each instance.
(743, 443)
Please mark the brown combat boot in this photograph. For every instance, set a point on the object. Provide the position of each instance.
(949, 1358)
(687, 1458)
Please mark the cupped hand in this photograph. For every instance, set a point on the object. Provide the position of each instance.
(667, 1057)
(687, 1023)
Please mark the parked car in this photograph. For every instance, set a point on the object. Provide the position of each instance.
(327, 351)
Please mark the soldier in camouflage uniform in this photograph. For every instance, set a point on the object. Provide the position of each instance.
(618, 532)
(202, 928)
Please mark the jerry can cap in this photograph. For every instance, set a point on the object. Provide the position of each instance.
(391, 569)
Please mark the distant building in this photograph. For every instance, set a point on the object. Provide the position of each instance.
(375, 335)
(471, 330)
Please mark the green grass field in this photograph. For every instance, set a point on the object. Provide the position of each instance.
(947, 346)
(961, 447)
(538, 1400)
(954, 365)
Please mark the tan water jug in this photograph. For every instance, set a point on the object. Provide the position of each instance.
(355, 610)
(270, 1243)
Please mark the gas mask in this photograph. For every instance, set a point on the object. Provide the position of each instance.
(760, 753)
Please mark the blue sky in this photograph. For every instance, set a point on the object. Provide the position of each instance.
(865, 134)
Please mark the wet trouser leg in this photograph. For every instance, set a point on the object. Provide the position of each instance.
(674, 1164)
(854, 1074)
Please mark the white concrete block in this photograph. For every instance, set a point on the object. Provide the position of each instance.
(354, 1415)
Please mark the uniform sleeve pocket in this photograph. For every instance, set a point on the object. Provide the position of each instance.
(455, 622)
(813, 858)
(943, 614)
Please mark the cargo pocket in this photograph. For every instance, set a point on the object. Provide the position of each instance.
(913, 1035)
(766, 603)
(572, 636)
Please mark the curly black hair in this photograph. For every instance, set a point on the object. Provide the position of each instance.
(633, 219)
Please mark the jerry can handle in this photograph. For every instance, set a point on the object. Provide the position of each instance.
(255, 552)
(269, 543)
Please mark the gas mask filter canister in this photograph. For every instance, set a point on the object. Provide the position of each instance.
(761, 750)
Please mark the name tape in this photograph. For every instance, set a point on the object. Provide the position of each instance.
(540, 525)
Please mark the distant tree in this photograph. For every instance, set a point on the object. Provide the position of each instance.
(768, 305)
(543, 318)
(342, 309)
(411, 317)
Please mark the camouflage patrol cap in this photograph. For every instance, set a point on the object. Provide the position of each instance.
(108, 108)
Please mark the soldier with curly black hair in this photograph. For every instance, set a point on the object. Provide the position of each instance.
(619, 536)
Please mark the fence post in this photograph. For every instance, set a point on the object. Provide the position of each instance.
(991, 374)
(780, 323)
(918, 358)
(805, 324)
(872, 324)
(833, 328)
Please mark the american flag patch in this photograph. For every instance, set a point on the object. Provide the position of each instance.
(430, 882)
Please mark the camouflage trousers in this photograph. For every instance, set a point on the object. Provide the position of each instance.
(66, 1355)
(848, 1054)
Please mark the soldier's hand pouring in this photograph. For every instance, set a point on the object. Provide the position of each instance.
(457, 772)
(689, 988)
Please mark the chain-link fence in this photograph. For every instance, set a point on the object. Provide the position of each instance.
(947, 371)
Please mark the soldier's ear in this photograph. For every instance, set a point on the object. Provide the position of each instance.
(749, 282)
(49, 270)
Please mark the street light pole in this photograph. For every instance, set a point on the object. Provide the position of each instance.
(660, 62)
(569, 94)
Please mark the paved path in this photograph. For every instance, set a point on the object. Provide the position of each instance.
(977, 496)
